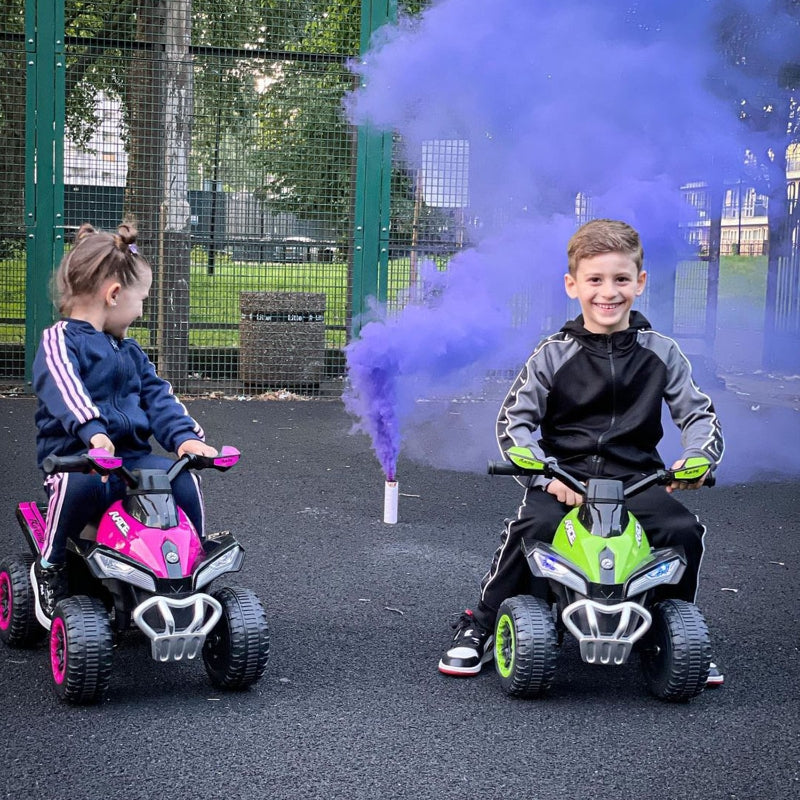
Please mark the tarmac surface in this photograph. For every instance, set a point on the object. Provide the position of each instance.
(352, 705)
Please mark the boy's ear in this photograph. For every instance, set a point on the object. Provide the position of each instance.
(641, 280)
(570, 286)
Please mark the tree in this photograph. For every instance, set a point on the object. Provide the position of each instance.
(761, 49)
(305, 143)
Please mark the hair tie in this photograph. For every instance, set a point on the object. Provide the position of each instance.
(133, 249)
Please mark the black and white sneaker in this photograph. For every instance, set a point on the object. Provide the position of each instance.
(715, 677)
(49, 586)
(470, 650)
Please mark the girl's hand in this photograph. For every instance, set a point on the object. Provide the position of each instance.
(196, 448)
(100, 440)
(563, 493)
(103, 442)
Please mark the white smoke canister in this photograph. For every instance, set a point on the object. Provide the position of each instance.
(390, 491)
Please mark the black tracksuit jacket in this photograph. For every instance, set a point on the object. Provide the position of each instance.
(595, 399)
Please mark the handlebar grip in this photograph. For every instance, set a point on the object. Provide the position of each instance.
(711, 480)
(53, 464)
(504, 468)
(224, 460)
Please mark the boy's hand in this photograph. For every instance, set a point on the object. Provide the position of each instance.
(563, 493)
(196, 448)
(680, 485)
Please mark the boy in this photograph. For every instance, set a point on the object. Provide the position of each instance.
(591, 395)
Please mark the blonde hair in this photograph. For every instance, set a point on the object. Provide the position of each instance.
(95, 257)
(600, 236)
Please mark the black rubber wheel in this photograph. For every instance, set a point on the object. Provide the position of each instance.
(81, 650)
(237, 649)
(18, 624)
(676, 651)
(525, 646)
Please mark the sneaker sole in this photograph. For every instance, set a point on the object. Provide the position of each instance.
(41, 617)
(714, 683)
(468, 672)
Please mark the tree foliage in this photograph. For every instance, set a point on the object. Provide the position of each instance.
(760, 49)
(269, 79)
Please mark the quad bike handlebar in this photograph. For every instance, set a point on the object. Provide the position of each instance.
(551, 469)
(103, 463)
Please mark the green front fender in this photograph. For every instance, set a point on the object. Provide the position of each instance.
(578, 546)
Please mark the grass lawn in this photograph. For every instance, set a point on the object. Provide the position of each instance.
(214, 299)
(742, 292)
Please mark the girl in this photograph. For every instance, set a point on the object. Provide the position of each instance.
(97, 388)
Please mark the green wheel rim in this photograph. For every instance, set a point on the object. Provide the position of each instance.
(504, 646)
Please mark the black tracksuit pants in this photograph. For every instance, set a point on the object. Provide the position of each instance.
(666, 521)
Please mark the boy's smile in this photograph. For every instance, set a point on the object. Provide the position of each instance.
(606, 286)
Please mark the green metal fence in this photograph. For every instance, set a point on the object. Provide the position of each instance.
(218, 129)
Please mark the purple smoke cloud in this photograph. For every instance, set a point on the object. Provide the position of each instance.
(619, 100)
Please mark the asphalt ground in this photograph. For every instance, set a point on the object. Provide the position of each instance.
(352, 705)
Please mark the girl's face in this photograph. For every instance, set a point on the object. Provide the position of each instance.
(606, 286)
(126, 303)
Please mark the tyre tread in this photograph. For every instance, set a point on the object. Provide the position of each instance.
(24, 629)
(89, 650)
(248, 654)
(684, 676)
(536, 646)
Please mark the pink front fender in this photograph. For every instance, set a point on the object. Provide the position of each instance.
(151, 546)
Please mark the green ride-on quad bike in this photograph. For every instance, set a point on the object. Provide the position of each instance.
(601, 572)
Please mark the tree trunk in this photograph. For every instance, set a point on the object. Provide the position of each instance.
(12, 152)
(144, 100)
(175, 228)
(780, 340)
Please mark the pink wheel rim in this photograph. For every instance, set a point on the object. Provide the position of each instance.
(6, 601)
(58, 650)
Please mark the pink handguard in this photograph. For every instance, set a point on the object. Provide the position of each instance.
(103, 459)
(227, 457)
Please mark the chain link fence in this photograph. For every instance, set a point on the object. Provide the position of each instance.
(219, 131)
(12, 185)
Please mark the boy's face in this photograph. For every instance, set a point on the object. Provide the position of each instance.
(605, 286)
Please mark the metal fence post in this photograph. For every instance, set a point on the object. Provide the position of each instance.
(372, 197)
(44, 162)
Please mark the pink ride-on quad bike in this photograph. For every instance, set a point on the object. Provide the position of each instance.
(142, 566)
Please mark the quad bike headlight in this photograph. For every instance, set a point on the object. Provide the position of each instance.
(660, 573)
(106, 566)
(551, 567)
(228, 561)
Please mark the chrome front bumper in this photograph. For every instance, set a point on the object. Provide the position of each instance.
(630, 621)
(168, 641)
